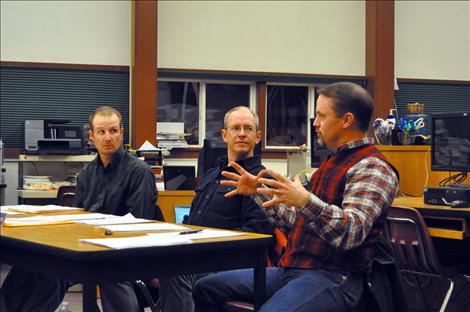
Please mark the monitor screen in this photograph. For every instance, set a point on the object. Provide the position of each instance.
(179, 177)
(317, 153)
(450, 142)
(180, 212)
(211, 151)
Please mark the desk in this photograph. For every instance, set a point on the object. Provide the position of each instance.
(168, 199)
(442, 221)
(56, 251)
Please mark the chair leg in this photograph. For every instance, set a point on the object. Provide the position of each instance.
(153, 306)
(447, 297)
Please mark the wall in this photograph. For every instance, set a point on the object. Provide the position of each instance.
(432, 39)
(80, 32)
(277, 36)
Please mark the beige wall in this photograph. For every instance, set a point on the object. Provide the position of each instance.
(432, 39)
(274, 36)
(80, 32)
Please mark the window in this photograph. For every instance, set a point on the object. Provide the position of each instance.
(192, 101)
(220, 98)
(287, 115)
(179, 102)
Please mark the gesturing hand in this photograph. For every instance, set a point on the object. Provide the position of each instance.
(245, 182)
(290, 193)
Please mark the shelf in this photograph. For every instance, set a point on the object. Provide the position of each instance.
(37, 194)
(57, 158)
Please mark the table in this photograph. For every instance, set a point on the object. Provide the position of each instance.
(56, 251)
(448, 227)
(442, 221)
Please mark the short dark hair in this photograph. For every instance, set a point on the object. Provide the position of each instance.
(105, 111)
(350, 97)
(237, 108)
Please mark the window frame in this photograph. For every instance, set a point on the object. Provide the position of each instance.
(202, 100)
(310, 114)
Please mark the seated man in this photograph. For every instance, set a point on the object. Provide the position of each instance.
(211, 208)
(114, 183)
(332, 229)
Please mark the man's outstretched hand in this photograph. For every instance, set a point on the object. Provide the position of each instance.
(245, 182)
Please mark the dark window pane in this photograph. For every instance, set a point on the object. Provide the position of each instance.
(220, 98)
(179, 102)
(286, 122)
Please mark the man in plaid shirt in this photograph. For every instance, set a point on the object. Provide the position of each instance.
(332, 229)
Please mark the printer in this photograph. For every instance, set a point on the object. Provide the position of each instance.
(48, 136)
(444, 195)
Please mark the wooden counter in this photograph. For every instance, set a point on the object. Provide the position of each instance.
(168, 199)
(413, 162)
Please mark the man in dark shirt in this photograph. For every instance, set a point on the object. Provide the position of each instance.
(211, 208)
(114, 183)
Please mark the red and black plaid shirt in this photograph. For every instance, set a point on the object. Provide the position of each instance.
(338, 228)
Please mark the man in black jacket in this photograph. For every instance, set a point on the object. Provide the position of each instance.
(211, 208)
(113, 183)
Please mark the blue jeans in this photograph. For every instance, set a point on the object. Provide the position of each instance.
(286, 290)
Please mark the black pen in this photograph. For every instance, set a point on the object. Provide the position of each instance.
(190, 232)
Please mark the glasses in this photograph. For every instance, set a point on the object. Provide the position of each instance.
(238, 129)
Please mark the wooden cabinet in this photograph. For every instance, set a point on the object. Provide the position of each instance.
(413, 162)
(168, 199)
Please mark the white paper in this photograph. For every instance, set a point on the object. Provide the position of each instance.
(138, 241)
(145, 227)
(204, 234)
(147, 146)
(112, 219)
(9, 211)
(38, 209)
(40, 220)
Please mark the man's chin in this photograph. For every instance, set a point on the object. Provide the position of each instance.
(320, 142)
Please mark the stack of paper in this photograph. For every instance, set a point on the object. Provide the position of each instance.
(54, 219)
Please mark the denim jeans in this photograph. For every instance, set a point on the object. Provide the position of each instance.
(286, 290)
(24, 291)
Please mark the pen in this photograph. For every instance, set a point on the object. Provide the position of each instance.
(190, 232)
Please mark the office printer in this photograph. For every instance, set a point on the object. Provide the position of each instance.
(49, 136)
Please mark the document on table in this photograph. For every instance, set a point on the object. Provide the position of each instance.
(112, 219)
(37, 209)
(202, 234)
(159, 239)
(137, 241)
(54, 219)
(8, 211)
(160, 226)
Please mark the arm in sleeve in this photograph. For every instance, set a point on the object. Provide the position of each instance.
(79, 191)
(142, 195)
(370, 188)
(282, 216)
(254, 218)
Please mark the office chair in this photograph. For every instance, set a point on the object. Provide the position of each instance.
(413, 248)
(148, 294)
(65, 195)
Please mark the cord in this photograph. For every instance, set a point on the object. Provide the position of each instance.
(454, 179)
(426, 167)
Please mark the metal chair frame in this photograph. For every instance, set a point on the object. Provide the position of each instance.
(414, 250)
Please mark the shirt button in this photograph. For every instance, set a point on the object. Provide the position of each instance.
(216, 182)
(199, 212)
(207, 196)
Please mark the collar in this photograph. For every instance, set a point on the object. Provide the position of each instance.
(115, 159)
(353, 144)
(248, 163)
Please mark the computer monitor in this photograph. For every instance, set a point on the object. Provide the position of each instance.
(181, 211)
(450, 142)
(317, 153)
(179, 177)
(211, 151)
